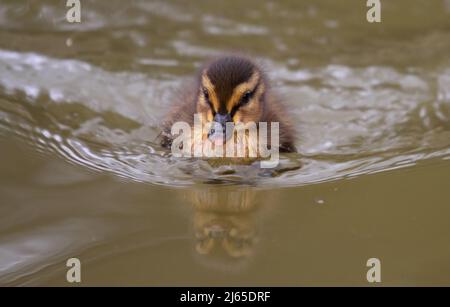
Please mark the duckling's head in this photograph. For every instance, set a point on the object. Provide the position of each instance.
(232, 89)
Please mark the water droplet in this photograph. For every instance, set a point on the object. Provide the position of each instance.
(320, 201)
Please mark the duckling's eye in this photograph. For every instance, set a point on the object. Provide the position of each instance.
(205, 93)
(245, 98)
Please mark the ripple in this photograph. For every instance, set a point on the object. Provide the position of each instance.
(352, 121)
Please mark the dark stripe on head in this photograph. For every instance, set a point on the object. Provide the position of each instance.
(226, 73)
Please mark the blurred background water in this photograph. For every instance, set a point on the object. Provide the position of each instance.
(82, 176)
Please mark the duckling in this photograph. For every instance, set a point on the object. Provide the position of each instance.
(225, 219)
(231, 89)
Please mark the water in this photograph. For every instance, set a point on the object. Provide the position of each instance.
(82, 176)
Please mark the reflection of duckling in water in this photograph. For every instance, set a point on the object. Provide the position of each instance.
(225, 221)
(231, 89)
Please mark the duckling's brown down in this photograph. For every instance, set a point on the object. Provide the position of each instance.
(231, 88)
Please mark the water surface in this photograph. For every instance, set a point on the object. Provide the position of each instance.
(82, 175)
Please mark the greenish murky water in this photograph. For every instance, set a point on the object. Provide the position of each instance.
(82, 176)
